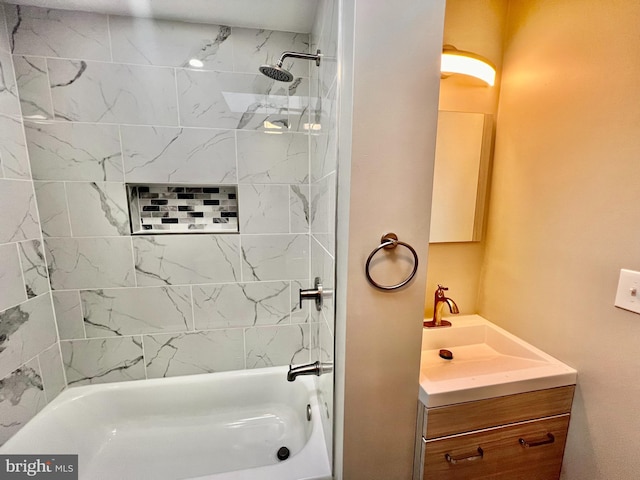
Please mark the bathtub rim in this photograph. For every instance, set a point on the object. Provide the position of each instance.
(310, 463)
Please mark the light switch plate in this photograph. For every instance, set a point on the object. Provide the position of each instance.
(628, 294)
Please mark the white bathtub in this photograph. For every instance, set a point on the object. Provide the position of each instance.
(219, 426)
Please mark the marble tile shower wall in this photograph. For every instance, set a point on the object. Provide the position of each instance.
(108, 100)
(323, 170)
(30, 362)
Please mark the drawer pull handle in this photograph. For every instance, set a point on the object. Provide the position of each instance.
(550, 439)
(454, 460)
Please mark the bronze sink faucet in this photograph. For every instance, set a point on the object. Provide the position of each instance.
(439, 302)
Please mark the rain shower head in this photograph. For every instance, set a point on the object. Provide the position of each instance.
(276, 72)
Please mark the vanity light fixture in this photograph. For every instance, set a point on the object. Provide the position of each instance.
(467, 63)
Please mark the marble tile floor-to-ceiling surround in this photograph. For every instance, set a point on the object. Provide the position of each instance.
(31, 372)
(323, 170)
(108, 100)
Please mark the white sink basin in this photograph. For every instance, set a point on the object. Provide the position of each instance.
(487, 362)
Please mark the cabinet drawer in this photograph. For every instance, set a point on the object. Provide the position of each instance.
(466, 417)
(498, 453)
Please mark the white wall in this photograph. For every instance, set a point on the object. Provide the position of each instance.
(565, 216)
(389, 76)
(109, 100)
(31, 371)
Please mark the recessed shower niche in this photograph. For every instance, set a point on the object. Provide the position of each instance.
(157, 208)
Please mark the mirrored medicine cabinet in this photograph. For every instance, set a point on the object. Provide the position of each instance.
(463, 156)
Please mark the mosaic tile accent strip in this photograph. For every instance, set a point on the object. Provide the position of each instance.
(183, 209)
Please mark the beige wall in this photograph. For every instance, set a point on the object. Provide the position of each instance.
(565, 213)
(387, 153)
(476, 26)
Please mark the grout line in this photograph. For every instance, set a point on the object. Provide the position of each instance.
(84, 326)
(310, 266)
(52, 111)
(16, 180)
(232, 39)
(19, 116)
(239, 211)
(64, 370)
(182, 285)
(55, 323)
(133, 260)
(240, 257)
(193, 309)
(290, 201)
(109, 37)
(46, 265)
(66, 202)
(224, 233)
(20, 365)
(23, 302)
(326, 320)
(319, 243)
(237, 164)
(31, 359)
(155, 184)
(169, 332)
(144, 357)
(244, 347)
(124, 174)
(44, 387)
(24, 280)
(149, 65)
(175, 83)
(6, 39)
(324, 177)
(291, 297)
(56, 121)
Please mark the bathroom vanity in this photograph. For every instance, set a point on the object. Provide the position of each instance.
(499, 408)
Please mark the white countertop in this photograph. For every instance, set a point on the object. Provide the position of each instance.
(487, 362)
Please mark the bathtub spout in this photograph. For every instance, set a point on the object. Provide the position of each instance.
(315, 368)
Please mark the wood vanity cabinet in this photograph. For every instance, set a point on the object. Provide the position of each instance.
(516, 437)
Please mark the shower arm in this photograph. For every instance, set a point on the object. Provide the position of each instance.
(306, 56)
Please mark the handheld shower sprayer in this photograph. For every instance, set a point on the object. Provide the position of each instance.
(276, 72)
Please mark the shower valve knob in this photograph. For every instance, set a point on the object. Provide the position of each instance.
(315, 293)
